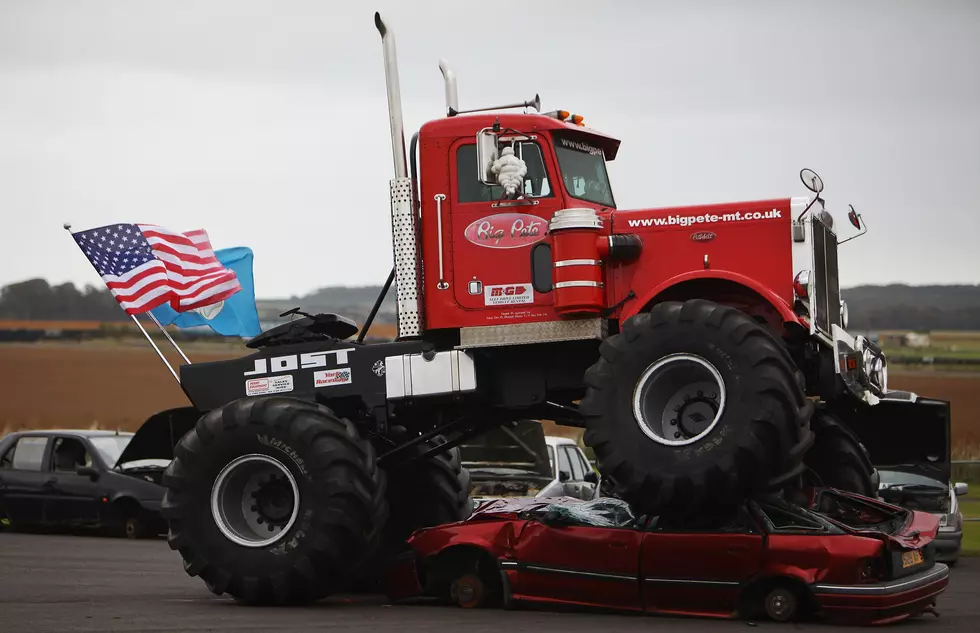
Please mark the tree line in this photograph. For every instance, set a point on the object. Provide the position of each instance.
(891, 307)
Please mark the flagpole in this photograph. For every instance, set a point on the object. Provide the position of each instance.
(173, 373)
(172, 341)
(159, 353)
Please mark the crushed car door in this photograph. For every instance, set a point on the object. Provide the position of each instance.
(699, 571)
(576, 563)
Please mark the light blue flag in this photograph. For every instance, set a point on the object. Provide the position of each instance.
(236, 315)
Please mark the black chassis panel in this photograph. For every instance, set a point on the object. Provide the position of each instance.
(316, 371)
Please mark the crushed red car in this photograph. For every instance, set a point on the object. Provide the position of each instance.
(837, 556)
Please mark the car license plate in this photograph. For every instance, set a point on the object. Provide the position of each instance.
(912, 558)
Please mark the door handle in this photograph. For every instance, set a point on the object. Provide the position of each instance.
(439, 197)
(50, 483)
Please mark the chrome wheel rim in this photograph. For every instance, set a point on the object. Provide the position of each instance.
(254, 500)
(679, 399)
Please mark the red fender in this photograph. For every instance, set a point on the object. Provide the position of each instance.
(784, 309)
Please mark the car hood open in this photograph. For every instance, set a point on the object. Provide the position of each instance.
(508, 452)
(902, 435)
(157, 437)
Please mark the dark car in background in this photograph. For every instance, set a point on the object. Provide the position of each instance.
(68, 479)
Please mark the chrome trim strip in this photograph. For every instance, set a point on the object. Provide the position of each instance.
(685, 581)
(578, 284)
(545, 569)
(577, 262)
(924, 578)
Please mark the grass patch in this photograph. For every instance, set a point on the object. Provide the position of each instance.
(970, 508)
(971, 538)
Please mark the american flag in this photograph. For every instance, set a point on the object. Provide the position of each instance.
(145, 266)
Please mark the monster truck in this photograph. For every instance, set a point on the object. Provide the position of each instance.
(703, 349)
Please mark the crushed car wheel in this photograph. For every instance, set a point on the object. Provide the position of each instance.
(781, 604)
(273, 500)
(692, 406)
(467, 591)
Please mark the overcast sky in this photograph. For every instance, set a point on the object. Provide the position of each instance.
(265, 123)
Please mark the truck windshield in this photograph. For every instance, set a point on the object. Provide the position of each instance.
(583, 169)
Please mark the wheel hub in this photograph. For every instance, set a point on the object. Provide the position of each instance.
(778, 605)
(254, 500)
(679, 399)
(273, 501)
(696, 414)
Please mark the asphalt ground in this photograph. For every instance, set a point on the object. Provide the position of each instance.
(80, 583)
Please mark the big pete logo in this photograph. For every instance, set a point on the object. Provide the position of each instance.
(292, 362)
(507, 230)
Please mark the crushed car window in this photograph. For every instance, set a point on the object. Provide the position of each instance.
(785, 518)
(602, 512)
(855, 513)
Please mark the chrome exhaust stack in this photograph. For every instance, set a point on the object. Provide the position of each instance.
(452, 97)
(404, 221)
(394, 97)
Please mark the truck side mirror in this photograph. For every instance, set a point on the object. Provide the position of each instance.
(564, 475)
(960, 488)
(592, 477)
(487, 151)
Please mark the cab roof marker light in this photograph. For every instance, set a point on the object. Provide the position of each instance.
(561, 115)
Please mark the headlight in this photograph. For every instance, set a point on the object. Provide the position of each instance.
(801, 285)
(951, 522)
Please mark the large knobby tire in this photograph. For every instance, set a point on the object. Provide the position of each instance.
(430, 491)
(234, 482)
(837, 458)
(692, 407)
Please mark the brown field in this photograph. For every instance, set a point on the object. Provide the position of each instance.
(118, 385)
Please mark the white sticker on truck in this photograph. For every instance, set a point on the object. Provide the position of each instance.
(508, 295)
(263, 386)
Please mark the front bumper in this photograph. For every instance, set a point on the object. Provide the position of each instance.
(885, 601)
(948, 545)
(862, 367)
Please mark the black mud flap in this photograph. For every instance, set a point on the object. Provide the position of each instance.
(913, 436)
(158, 436)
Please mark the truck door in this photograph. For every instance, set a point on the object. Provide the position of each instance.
(492, 238)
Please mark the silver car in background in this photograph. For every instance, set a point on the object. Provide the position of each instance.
(519, 460)
(916, 489)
